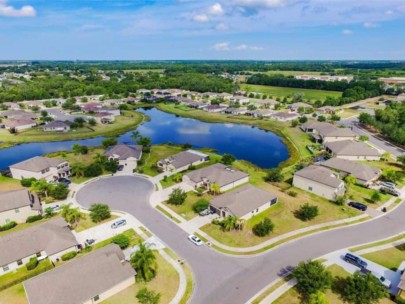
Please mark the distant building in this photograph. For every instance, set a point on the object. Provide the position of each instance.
(284, 116)
(41, 168)
(392, 80)
(182, 161)
(16, 125)
(57, 126)
(324, 77)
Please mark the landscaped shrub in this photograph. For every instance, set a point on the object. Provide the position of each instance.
(8, 226)
(200, 205)
(340, 201)
(34, 218)
(292, 193)
(59, 192)
(307, 212)
(27, 182)
(99, 212)
(177, 197)
(32, 264)
(68, 256)
(121, 240)
(93, 170)
(263, 228)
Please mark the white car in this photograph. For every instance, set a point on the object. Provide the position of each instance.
(382, 279)
(195, 240)
(119, 223)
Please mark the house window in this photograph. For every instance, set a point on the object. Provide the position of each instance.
(96, 298)
(19, 262)
(310, 188)
(16, 210)
(6, 268)
(38, 254)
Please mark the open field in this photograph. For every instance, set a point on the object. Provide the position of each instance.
(166, 283)
(73, 158)
(126, 122)
(285, 92)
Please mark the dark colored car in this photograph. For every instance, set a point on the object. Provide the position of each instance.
(359, 206)
(356, 261)
(120, 167)
(64, 180)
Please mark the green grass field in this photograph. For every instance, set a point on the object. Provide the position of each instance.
(285, 92)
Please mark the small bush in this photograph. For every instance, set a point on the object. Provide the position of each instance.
(8, 226)
(34, 218)
(99, 212)
(263, 228)
(340, 201)
(292, 193)
(307, 212)
(27, 182)
(32, 264)
(68, 256)
(121, 240)
(200, 205)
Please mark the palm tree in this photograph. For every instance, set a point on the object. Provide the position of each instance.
(350, 180)
(229, 223)
(41, 187)
(65, 209)
(78, 169)
(144, 262)
(74, 216)
(177, 177)
(215, 189)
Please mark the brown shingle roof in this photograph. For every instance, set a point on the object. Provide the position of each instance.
(81, 279)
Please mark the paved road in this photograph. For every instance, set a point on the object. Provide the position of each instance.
(227, 279)
(379, 142)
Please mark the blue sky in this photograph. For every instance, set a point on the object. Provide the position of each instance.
(201, 29)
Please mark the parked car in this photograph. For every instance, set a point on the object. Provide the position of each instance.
(391, 191)
(55, 208)
(388, 185)
(356, 261)
(90, 242)
(206, 212)
(119, 223)
(64, 180)
(358, 205)
(382, 279)
(194, 239)
(120, 167)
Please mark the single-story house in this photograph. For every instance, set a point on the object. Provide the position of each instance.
(319, 180)
(17, 205)
(113, 102)
(18, 114)
(284, 116)
(50, 239)
(182, 161)
(239, 99)
(325, 110)
(57, 126)
(111, 111)
(364, 174)
(352, 150)
(264, 103)
(104, 117)
(236, 111)
(19, 124)
(295, 106)
(243, 202)
(89, 279)
(260, 113)
(223, 176)
(215, 108)
(324, 132)
(12, 105)
(41, 167)
(91, 106)
(124, 154)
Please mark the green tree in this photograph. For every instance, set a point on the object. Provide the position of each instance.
(350, 181)
(144, 262)
(92, 122)
(200, 205)
(177, 197)
(215, 189)
(321, 118)
(362, 289)
(71, 215)
(78, 169)
(76, 148)
(294, 123)
(375, 196)
(318, 298)
(49, 212)
(303, 119)
(144, 141)
(311, 277)
(229, 223)
(121, 240)
(109, 142)
(59, 191)
(41, 188)
(274, 175)
(401, 160)
(146, 296)
(177, 177)
(385, 156)
(307, 212)
(99, 212)
(263, 228)
(363, 138)
(135, 136)
(228, 159)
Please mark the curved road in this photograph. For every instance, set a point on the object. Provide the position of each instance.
(227, 279)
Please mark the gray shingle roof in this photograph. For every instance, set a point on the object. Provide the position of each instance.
(243, 200)
(38, 163)
(16, 199)
(351, 148)
(57, 124)
(183, 158)
(327, 130)
(362, 172)
(124, 151)
(52, 237)
(320, 175)
(80, 279)
(217, 174)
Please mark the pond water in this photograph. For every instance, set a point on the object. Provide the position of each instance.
(262, 148)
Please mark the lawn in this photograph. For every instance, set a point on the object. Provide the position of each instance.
(73, 158)
(126, 122)
(13, 295)
(390, 258)
(361, 194)
(87, 223)
(133, 237)
(149, 160)
(23, 226)
(7, 183)
(286, 92)
(166, 283)
(186, 210)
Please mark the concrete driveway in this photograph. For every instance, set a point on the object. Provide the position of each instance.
(222, 278)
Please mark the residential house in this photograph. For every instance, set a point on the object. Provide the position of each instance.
(295, 106)
(124, 154)
(242, 100)
(401, 98)
(111, 111)
(89, 279)
(284, 116)
(113, 102)
(57, 114)
(352, 150)
(57, 126)
(223, 176)
(50, 239)
(236, 111)
(12, 105)
(16, 125)
(41, 167)
(91, 107)
(18, 114)
(104, 117)
(264, 103)
(260, 113)
(324, 132)
(320, 181)
(365, 175)
(326, 110)
(215, 108)
(401, 285)
(324, 77)
(243, 202)
(182, 161)
(17, 205)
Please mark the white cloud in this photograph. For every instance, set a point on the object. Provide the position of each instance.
(11, 11)
(347, 32)
(222, 46)
(215, 9)
(370, 25)
(201, 18)
(221, 27)
(262, 3)
(243, 47)
(226, 46)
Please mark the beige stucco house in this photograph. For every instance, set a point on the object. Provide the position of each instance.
(41, 168)
(89, 279)
(182, 161)
(352, 150)
(125, 154)
(324, 132)
(320, 181)
(51, 239)
(17, 205)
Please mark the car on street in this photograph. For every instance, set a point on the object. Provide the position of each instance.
(388, 185)
(119, 223)
(356, 261)
(358, 206)
(195, 240)
(391, 191)
(120, 167)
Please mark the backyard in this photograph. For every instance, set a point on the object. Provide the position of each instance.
(149, 160)
(7, 183)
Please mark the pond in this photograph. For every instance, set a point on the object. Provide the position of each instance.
(262, 148)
